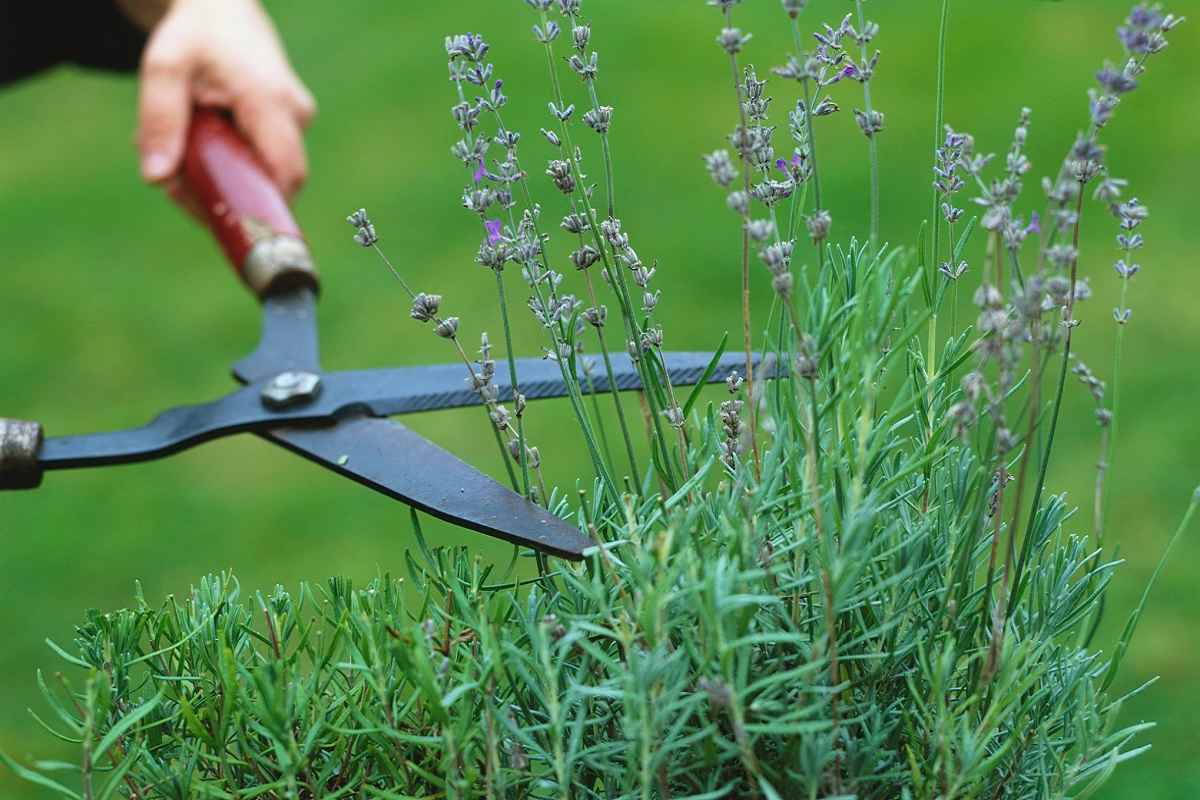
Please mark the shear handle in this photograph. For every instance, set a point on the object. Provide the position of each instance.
(20, 443)
(244, 208)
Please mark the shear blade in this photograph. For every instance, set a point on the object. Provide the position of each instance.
(391, 459)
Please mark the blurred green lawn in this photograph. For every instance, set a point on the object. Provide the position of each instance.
(113, 306)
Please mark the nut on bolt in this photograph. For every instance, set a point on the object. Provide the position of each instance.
(291, 388)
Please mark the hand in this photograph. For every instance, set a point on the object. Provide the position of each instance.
(223, 53)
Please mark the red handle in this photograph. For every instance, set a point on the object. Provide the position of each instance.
(244, 208)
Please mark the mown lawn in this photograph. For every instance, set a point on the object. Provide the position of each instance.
(113, 306)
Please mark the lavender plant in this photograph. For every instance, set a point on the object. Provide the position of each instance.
(847, 580)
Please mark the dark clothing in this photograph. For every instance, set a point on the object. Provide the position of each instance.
(39, 34)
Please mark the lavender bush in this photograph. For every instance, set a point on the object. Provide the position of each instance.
(847, 579)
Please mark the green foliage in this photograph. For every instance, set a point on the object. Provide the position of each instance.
(830, 617)
(730, 640)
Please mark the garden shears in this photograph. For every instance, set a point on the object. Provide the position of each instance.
(336, 419)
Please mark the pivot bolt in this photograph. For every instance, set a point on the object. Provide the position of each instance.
(291, 388)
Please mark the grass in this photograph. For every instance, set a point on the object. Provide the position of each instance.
(117, 307)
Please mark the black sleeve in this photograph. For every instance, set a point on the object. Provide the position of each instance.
(38, 34)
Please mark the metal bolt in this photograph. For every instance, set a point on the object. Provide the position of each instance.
(291, 388)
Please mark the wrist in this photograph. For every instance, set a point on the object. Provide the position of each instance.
(146, 14)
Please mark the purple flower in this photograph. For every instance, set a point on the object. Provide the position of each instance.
(1115, 81)
(1035, 224)
(1143, 16)
(786, 167)
(850, 71)
(498, 97)
(493, 227)
(480, 172)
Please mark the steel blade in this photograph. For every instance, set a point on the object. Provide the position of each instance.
(388, 392)
(380, 392)
(185, 426)
(390, 458)
(289, 337)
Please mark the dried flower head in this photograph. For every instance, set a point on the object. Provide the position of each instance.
(560, 172)
(818, 225)
(720, 167)
(596, 316)
(364, 232)
(760, 229)
(585, 256)
(580, 36)
(599, 119)
(469, 46)
(425, 307)
(738, 202)
(447, 328)
(793, 7)
(732, 40)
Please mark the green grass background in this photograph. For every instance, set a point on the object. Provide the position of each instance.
(113, 305)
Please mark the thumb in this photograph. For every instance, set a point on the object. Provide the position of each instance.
(164, 107)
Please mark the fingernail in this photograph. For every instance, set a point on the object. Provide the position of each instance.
(156, 166)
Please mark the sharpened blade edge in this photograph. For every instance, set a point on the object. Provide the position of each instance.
(400, 463)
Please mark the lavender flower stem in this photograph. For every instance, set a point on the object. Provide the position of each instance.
(939, 105)
(792, 314)
(950, 260)
(504, 455)
(1106, 456)
(619, 285)
(508, 345)
(799, 200)
(608, 369)
(680, 433)
(747, 341)
(395, 272)
(620, 288)
(606, 150)
(812, 142)
(587, 376)
(569, 379)
(938, 120)
(872, 145)
(1062, 379)
(512, 376)
(1116, 392)
(812, 157)
(512, 476)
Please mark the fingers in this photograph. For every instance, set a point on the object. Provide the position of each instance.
(303, 104)
(274, 123)
(177, 189)
(164, 108)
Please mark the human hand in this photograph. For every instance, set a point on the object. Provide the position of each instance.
(227, 54)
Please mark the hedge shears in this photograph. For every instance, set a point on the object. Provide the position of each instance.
(337, 419)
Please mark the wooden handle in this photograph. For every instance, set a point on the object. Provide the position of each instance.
(244, 208)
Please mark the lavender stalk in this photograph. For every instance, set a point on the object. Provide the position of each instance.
(869, 120)
(569, 178)
(732, 40)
